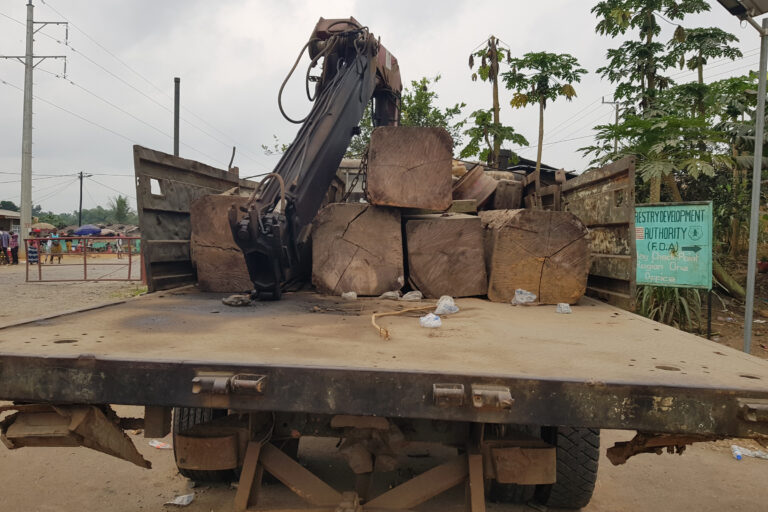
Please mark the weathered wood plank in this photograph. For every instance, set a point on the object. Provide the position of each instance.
(297, 478)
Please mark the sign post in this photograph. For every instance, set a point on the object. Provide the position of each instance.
(674, 246)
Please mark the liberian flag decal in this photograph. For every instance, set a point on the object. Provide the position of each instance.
(639, 233)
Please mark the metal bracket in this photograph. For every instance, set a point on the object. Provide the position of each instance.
(217, 384)
(448, 395)
(754, 410)
(491, 397)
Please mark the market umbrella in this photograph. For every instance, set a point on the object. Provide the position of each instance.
(88, 229)
(43, 226)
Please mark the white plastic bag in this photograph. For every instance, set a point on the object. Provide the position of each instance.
(446, 306)
(413, 296)
(430, 320)
(393, 295)
(349, 296)
(523, 297)
(182, 501)
(563, 307)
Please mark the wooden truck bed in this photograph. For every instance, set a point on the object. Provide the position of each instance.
(599, 366)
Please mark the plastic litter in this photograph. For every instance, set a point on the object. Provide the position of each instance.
(446, 306)
(413, 296)
(523, 297)
(393, 295)
(430, 320)
(239, 300)
(181, 501)
(349, 295)
(160, 445)
(740, 451)
(563, 307)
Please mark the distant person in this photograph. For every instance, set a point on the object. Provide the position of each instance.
(55, 248)
(14, 247)
(32, 252)
(5, 241)
(119, 247)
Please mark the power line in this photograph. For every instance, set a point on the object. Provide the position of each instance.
(113, 189)
(73, 114)
(245, 153)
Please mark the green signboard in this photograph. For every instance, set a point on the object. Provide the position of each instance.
(674, 244)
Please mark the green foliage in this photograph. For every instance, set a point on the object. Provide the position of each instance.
(276, 148)
(417, 108)
(678, 307)
(9, 205)
(482, 132)
(637, 66)
(120, 208)
(700, 44)
(541, 77)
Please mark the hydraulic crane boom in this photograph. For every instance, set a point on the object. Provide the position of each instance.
(272, 230)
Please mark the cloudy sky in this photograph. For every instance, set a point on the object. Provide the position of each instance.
(232, 56)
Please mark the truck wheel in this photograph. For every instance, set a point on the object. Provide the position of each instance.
(184, 418)
(577, 457)
(511, 493)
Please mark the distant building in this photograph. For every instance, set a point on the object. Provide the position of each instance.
(10, 221)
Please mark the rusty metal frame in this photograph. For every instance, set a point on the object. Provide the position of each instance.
(396, 394)
(85, 263)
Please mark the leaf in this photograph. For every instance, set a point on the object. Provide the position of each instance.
(474, 77)
(568, 91)
(471, 61)
(519, 100)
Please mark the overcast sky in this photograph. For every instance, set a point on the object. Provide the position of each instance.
(232, 56)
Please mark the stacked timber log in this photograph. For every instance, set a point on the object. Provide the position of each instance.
(357, 248)
(422, 224)
(219, 262)
(541, 251)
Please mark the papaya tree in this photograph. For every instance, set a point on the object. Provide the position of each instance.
(638, 65)
(486, 129)
(539, 78)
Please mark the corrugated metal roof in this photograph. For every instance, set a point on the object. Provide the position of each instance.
(10, 214)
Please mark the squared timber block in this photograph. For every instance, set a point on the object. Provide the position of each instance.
(542, 251)
(219, 261)
(508, 195)
(357, 248)
(410, 167)
(445, 255)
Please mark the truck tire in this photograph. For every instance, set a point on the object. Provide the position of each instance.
(185, 418)
(578, 450)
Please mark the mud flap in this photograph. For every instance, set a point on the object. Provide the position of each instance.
(51, 425)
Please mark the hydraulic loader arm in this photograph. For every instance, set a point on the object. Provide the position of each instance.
(272, 230)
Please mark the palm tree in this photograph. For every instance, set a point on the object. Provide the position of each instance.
(119, 208)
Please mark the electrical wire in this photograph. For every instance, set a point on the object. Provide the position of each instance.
(113, 189)
(245, 153)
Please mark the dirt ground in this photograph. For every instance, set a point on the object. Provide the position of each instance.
(706, 478)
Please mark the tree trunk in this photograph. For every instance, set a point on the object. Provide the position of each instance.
(734, 244)
(655, 191)
(669, 181)
(541, 134)
(729, 283)
(494, 77)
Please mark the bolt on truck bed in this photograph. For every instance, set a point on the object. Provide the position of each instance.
(598, 367)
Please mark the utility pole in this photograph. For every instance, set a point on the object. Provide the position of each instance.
(616, 136)
(176, 93)
(80, 209)
(30, 60)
